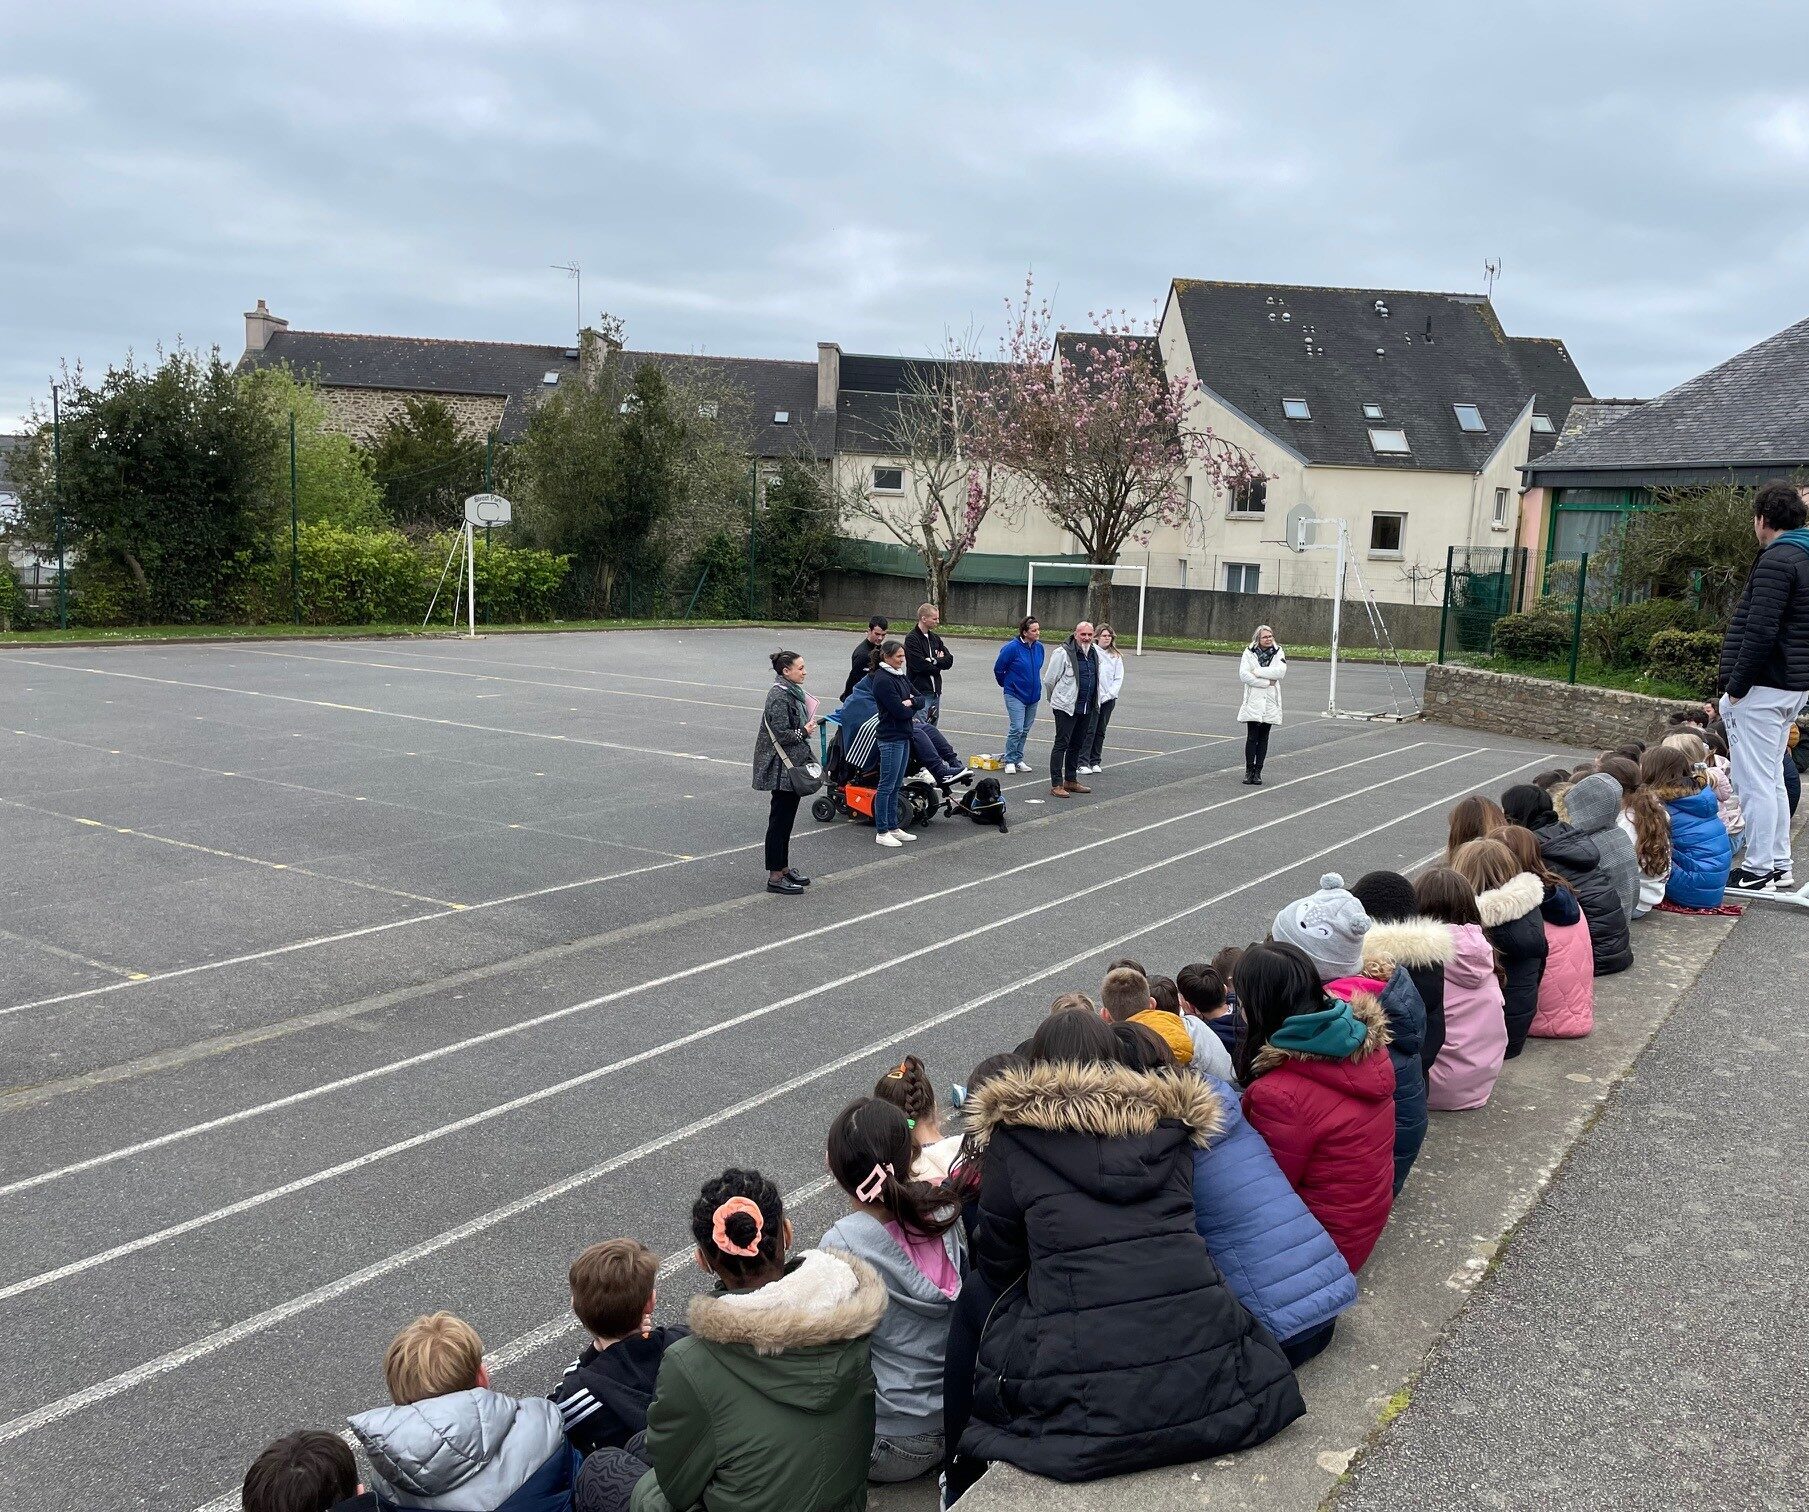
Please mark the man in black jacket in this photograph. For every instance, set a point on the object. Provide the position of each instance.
(861, 663)
(1764, 677)
(926, 659)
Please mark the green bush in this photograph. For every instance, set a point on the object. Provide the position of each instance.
(1539, 635)
(1622, 636)
(104, 595)
(12, 596)
(1689, 658)
(514, 583)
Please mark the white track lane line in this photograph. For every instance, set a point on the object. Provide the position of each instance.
(210, 1344)
(506, 1030)
(585, 1078)
(345, 708)
(523, 1346)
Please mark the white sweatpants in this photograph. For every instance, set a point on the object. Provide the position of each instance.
(1758, 731)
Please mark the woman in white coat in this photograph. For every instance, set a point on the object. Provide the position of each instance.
(1111, 680)
(1261, 670)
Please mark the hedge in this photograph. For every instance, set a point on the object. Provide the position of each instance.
(1689, 658)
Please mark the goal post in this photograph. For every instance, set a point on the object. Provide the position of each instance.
(1089, 568)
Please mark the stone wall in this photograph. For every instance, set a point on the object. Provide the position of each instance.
(1195, 613)
(1585, 718)
(361, 413)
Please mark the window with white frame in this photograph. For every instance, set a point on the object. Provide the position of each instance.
(1500, 519)
(1386, 532)
(1389, 442)
(888, 480)
(1249, 498)
(1372, 412)
(1243, 577)
(1542, 425)
(1469, 417)
(1296, 409)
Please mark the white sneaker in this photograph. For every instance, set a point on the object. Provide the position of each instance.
(890, 837)
(1783, 882)
(905, 835)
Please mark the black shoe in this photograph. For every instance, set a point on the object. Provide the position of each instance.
(1749, 881)
(793, 875)
(784, 885)
(1250, 777)
(1256, 776)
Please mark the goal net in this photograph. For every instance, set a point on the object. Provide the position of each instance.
(1396, 688)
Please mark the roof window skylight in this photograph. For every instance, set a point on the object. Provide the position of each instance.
(1542, 425)
(1296, 409)
(1469, 417)
(781, 417)
(550, 378)
(1389, 442)
(1372, 412)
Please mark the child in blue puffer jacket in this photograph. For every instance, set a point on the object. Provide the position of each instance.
(1275, 1255)
(1702, 855)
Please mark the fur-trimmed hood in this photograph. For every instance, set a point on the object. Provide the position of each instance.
(1514, 899)
(1408, 942)
(826, 1297)
(1365, 1007)
(1670, 794)
(1104, 1100)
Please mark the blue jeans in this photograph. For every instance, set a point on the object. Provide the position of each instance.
(894, 755)
(1022, 716)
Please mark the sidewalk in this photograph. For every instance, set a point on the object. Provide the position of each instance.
(1478, 1177)
(1642, 1343)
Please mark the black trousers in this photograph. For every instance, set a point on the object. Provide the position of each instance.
(1256, 744)
(964, 1327)
(1101, 718)
(778, 829)
(1302, 1347)
(1072, 733)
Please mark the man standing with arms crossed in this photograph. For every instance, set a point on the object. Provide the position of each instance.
(926, 659)
(1764, 676)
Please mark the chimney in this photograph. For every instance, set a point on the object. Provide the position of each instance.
(260, 326)
(829, 374)
(595, 348)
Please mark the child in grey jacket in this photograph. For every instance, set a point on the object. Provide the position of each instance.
(909, 1232)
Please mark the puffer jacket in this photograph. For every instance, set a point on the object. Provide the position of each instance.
(1595, 811)
(1567, 986)
(1262, 687)
(1464, 1074)
(1701, 853)
(1329, 1119)
(1767, 640)
(1510, 918)
(1406, 1016)
(1115, 1344)
(1274, 1254)
(768, 1406)
(1018, 669)
(785, 713)
(1423, 946)
(1576, 860)
(469, 1451)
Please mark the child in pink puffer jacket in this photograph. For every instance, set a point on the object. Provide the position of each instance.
(1475, 1045)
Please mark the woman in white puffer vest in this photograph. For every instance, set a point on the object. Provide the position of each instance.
(1260, 670)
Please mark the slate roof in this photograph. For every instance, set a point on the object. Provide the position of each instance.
(1078, 347)
(754, 390)
(1556, 384)
(512, 371)
(1254, 361)
(1751, 411)
(867, 401)
(1587, 415)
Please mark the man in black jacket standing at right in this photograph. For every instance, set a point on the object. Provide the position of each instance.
(1764, 676)
(926, 659)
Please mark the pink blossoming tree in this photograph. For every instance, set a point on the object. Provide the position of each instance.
(1101, 435)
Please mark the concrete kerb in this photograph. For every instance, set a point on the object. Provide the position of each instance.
(1479, 1175)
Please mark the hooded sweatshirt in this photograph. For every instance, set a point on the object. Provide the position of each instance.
(768, 1406)
(469, 1451)
(1321, 1092)
(911, 1342)
(1464, 1074)
(1595, 809)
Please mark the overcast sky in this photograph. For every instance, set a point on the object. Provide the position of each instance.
(749, 179)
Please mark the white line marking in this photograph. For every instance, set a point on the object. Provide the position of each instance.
(785, 943)
(210, 1344)
(585, 1078)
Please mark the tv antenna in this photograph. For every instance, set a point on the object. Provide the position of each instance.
(576, 274)
(1491, 269)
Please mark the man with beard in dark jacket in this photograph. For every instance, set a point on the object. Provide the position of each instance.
(1764, 676)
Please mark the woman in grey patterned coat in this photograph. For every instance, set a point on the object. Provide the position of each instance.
(787, 717)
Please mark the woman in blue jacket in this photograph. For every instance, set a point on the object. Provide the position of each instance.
(1274, 1254)
(897, 702)
(1701, 853)
(1018, 670)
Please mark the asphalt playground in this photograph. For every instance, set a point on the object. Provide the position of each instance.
(345, 981)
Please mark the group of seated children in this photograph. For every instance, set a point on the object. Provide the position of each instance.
(1153, 1212)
